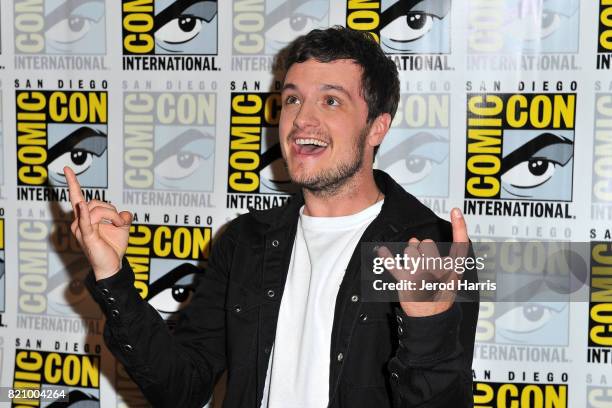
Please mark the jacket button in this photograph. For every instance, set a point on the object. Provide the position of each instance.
(394, 376)
(270, 293)
(105, 292)
(354, 298)
(363, 317)
(127, 348)
(237, 308)
(115, 313)
(110, 300)
(267, 350)
(399, 319)
(400, 331)
(340, 357)
(275, 243)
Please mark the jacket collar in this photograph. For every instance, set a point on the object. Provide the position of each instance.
(399, 211)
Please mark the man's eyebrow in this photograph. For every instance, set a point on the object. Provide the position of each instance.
(328, 87)
(289, 86)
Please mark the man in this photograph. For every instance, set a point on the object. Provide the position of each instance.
(279, 306)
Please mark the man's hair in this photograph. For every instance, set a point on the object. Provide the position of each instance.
(379, 78)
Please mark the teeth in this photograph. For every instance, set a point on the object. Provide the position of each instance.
(311, 142)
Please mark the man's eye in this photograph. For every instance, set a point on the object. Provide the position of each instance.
(79, 160)
(290, 100)
(179, 30)
(530, 173)
(409, 27)
(331, 102)
(70, 29)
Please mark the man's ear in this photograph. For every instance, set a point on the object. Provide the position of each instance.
(378, 130)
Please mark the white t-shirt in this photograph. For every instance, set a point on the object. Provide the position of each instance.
(298, 371)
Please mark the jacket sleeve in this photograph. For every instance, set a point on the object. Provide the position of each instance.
(429, 368)
(433, 363)
(177, 369)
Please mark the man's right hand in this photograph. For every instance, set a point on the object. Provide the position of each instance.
(101, 231)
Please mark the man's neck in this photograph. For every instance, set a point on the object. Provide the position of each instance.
(357, 194)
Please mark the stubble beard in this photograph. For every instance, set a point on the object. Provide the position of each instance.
(330, 181)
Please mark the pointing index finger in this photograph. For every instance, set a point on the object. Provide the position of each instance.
(460, 235)
(74, 188)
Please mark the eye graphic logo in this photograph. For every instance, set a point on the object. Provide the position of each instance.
(51, 273)
(161, 27)
(57, 129)
(169, 145)
(268, 26)
(60, 27)
(534, 26)
(416, 149)
(164, 260)
(415, 26)
(520, 147)
(535, 323)
(403, 26)
(76, 374)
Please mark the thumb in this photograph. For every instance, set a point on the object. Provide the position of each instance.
(127, 217)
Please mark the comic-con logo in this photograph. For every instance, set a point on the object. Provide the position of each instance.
(416, 149)
(601, 198)
(75, 378)
(257, 176)
(520, 146)
(169, 148)
(516, 329)
(510, 394)
(60, 34)
(51, 270)
(60, 27)
(600, 303)
(604, 35)
(176, 29)
(523, 34)
(406, 27)
(550, 26)
(403, 27)
(56, 129)
(165, 260)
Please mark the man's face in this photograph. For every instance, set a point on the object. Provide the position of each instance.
(323, 123)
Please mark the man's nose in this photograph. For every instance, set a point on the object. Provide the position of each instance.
(307, 116)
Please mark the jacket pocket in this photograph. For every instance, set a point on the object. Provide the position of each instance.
(242, 321)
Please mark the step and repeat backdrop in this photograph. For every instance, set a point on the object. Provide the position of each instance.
(168, 108)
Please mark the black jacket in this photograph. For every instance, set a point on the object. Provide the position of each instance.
(379, 357)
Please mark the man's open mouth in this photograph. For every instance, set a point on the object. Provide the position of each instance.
(310, 146)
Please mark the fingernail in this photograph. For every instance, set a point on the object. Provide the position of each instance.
(456, 213)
